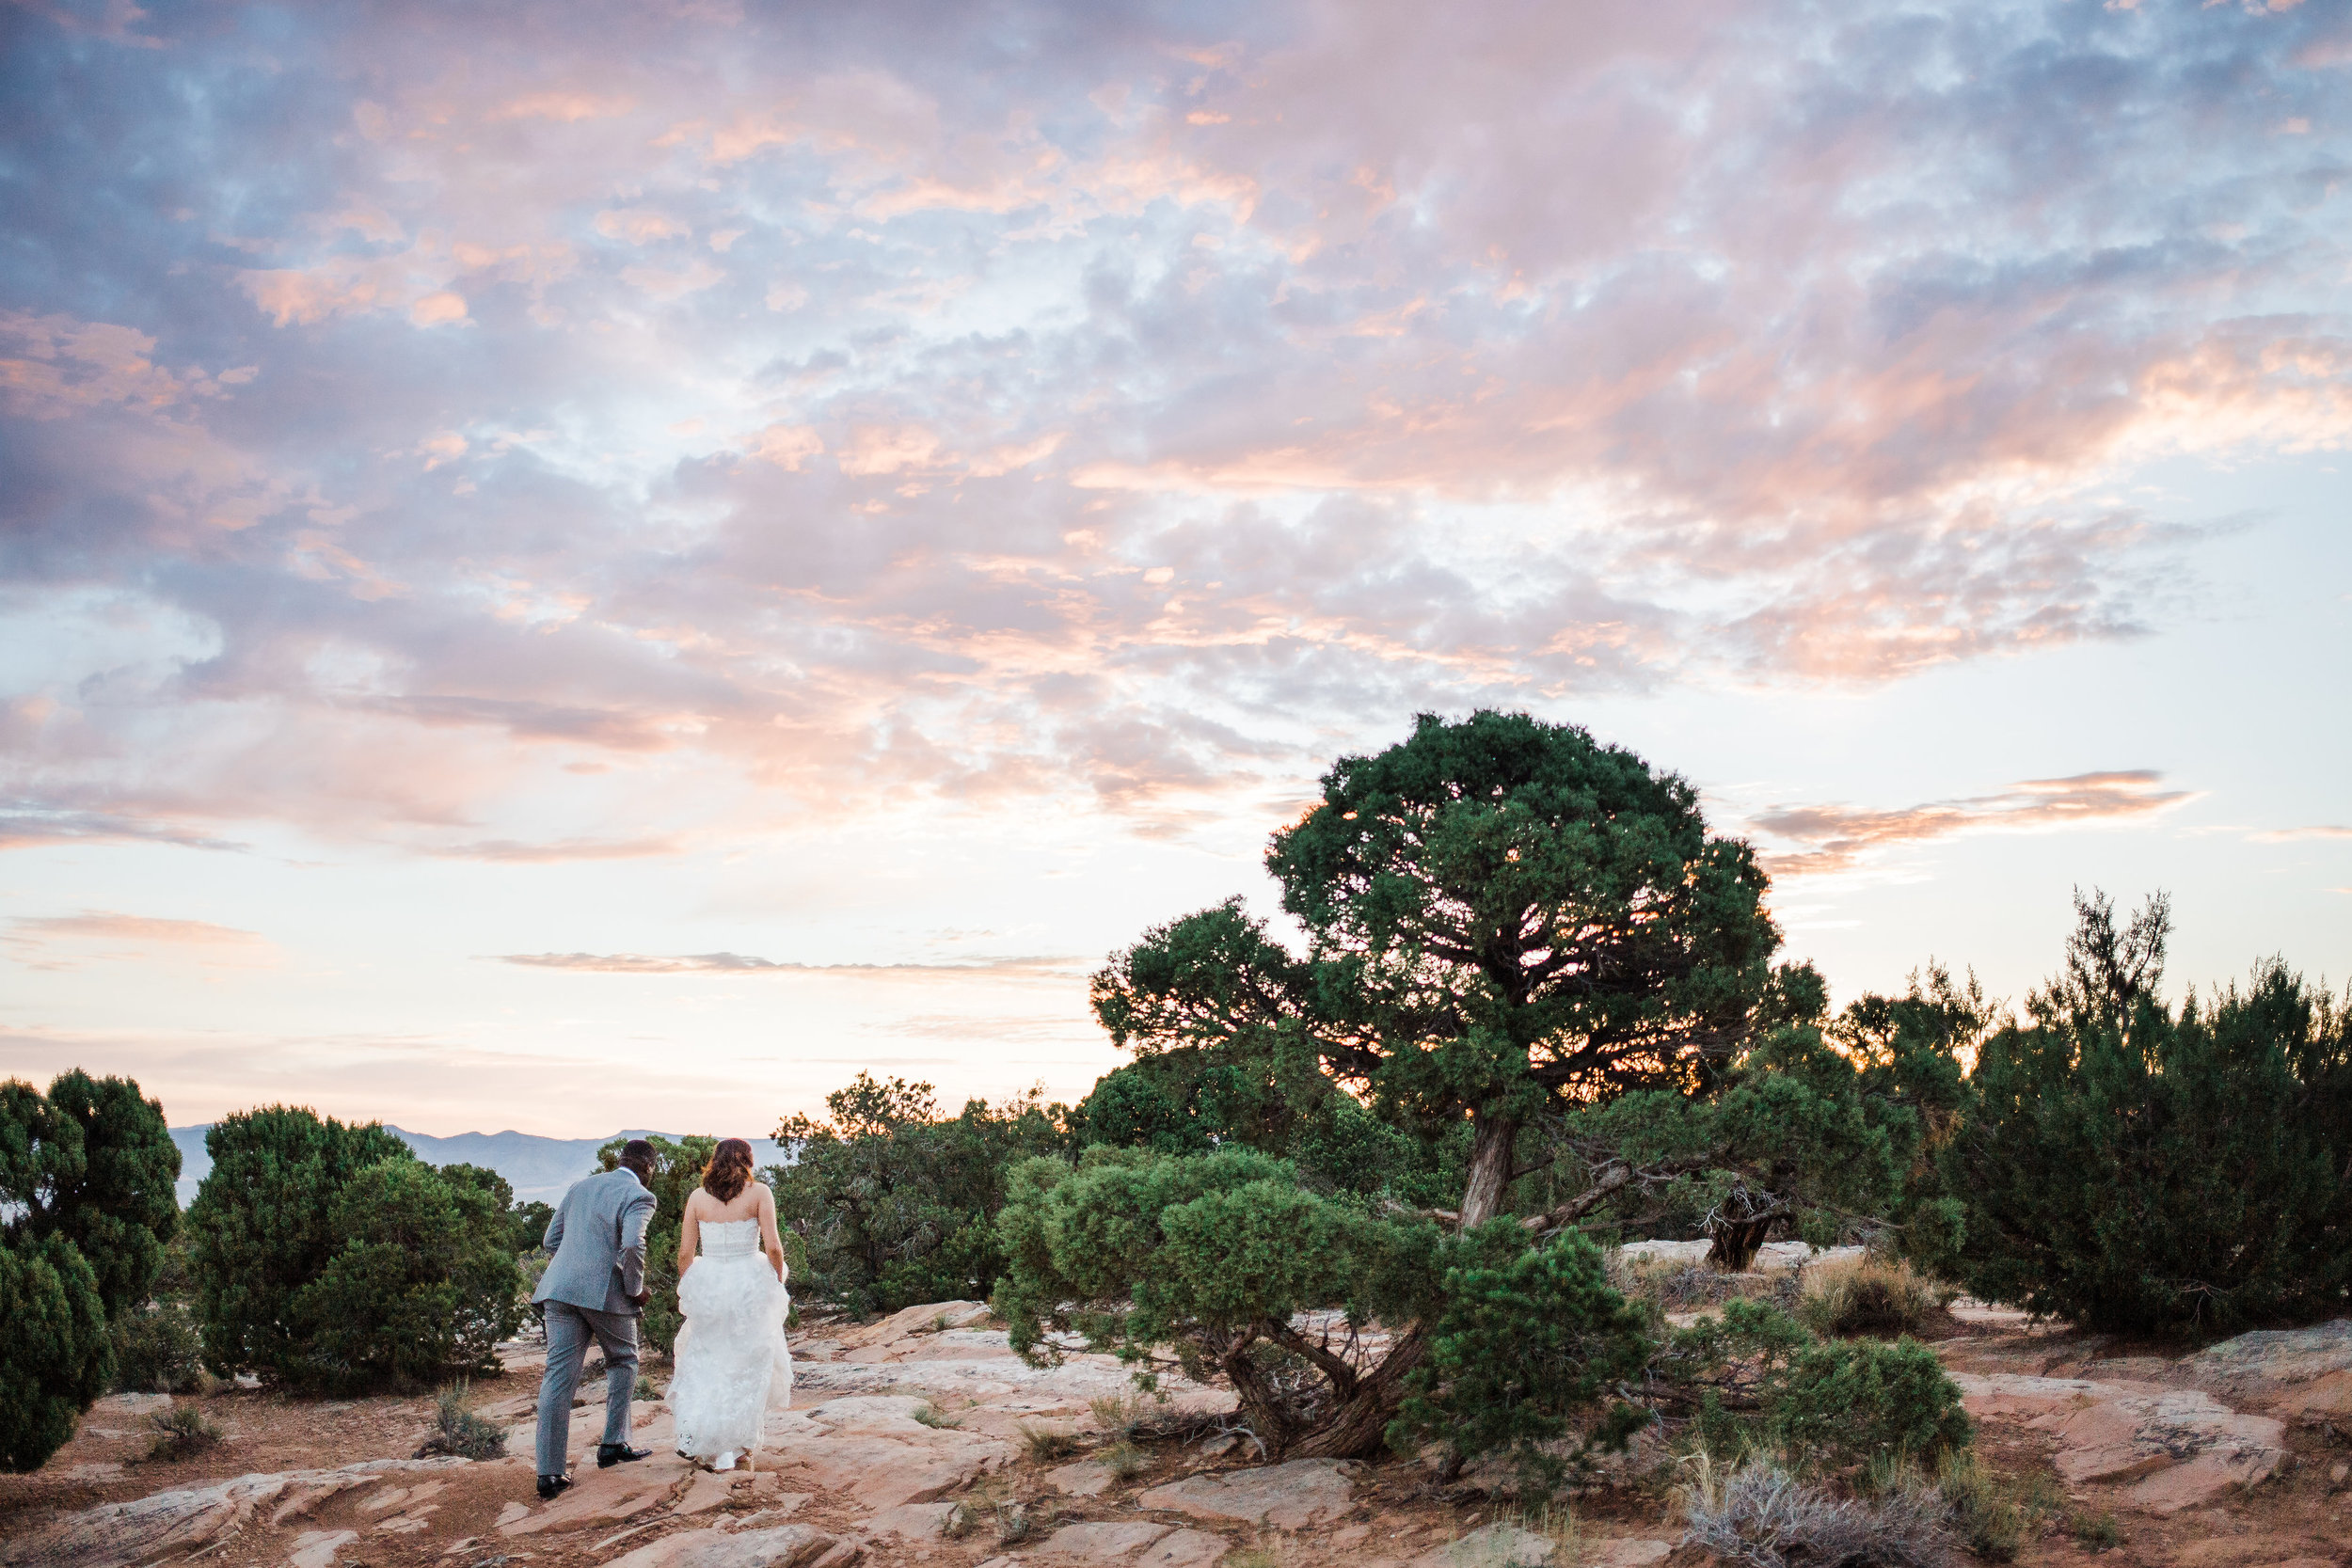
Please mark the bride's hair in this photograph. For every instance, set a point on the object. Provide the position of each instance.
(729, 1171)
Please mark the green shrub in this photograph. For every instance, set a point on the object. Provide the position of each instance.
(157, 1348)
(2139, 1170)
(1527, 1341)
(1853, 1402)
(86, 1175)
(55, 1355)
(111, 1190)
(424, 1284)
(530, 1221)
(180, 1433)
(1210, 1256)
(329, 1257)
(1761, 1382)
(894, 1203)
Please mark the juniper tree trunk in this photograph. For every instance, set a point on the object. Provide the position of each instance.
(1359, 1428)
(1489, 1169)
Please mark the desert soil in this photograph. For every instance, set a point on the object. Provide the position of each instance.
(2234, 1458)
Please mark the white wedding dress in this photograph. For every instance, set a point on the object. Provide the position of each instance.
(732, 1366)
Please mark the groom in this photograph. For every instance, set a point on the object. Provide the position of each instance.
(595, 1288)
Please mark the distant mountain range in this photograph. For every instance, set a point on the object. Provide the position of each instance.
(536, 1167)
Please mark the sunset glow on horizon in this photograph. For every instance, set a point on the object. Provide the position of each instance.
(584, 566)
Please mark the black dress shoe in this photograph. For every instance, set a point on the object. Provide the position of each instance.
(610, 1455)
(550, 1485)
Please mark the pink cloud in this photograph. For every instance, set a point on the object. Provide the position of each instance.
(1840, 837)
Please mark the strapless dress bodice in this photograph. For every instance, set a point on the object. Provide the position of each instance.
(730, 1237)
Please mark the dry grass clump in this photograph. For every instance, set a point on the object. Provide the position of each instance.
(1045, 1445)
(1674, 1285)
(1997, 1512)
(1124, 1415)
(936, 1418)
(1760, 1516)
(992, 1506)
(1868, 1296)
(459, 1430)
(180, 1433)
(1123, 1460)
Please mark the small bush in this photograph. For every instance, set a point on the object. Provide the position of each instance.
(1530, 1341)
(1830, 1403)
(1761, 1515)
(180, 1433)
(1045, 1445)
(1125, 1461)
(1870, 1296)
(1844, 1402)
(2097, 1531)
(936, 1418)
(961, 1520)
(460, 1430)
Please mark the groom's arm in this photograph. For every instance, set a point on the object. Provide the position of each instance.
(635, 1218)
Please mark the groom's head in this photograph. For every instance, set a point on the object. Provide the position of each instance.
(637, 1154)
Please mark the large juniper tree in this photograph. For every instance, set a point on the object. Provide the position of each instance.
(1504, 917)
(1510, 928)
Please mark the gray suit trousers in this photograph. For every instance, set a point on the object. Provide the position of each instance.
(569, 1329)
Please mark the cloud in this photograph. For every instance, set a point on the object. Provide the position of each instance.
(509, 851)
(2284, 835)
(25, 828)
(736, 963)
(106, 925)
(1114, 425)
(1840, 837)
(68, 941)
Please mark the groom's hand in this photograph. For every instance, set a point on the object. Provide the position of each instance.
(640, 1299)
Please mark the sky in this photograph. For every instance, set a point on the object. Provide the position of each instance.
(569, 566)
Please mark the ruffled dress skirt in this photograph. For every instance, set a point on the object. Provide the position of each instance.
(732, 1366)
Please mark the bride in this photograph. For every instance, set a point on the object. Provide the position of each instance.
(732, 1366)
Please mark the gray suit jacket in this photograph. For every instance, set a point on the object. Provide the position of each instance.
(599, 1238)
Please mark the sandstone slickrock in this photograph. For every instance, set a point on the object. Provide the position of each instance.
(115, 1534)
(1492, 1546)
(605, 1496)
(1100, 1542)
(316, 1548)
(2294, 1372)
(1291, 1496)
(1085, 1479)
(784, 1546)
(1184, 1549)
(909, 1521)
(2180, 1447)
